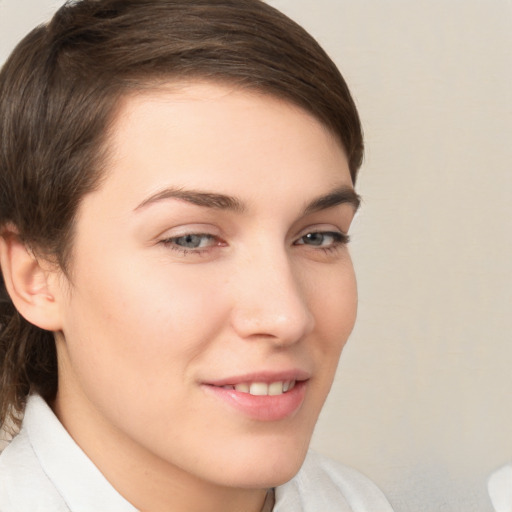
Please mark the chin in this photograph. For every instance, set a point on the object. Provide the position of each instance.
(266, 468)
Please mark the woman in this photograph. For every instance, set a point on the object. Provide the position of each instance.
(177, 188)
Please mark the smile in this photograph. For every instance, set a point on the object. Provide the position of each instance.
(263, 388)
(272, 400)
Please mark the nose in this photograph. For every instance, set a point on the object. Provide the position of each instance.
(269, 301)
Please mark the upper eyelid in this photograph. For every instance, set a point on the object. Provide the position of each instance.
(190, 233)
(321, 227)
(190, 229)
(337, 234)
(215, 231)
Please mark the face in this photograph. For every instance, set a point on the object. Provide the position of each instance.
(211, 287)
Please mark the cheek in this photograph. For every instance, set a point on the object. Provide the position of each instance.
(334, 305)
(142, 340)
(121, 331)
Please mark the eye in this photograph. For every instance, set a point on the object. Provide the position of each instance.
(191, 243)
(323, 239)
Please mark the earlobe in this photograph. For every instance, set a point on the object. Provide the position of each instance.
(29, 283)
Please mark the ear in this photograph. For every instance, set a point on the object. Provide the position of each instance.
(31, 284)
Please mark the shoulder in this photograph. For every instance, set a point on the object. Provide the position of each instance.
(23, 484)
(323, 484)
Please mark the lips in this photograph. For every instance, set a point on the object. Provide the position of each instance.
(264, 396)
(263, 377)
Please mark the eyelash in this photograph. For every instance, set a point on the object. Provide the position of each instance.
(339, 240)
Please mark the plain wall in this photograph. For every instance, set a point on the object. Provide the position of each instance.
(422, 399)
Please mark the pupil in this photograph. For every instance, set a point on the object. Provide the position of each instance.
(315, 238)
(191, 241)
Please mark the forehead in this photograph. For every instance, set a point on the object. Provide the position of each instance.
(220, 138)
(203, 101)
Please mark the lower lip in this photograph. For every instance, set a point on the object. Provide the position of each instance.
(262, 408)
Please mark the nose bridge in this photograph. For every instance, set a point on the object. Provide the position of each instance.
(269, 301)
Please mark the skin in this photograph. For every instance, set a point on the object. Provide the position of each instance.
(143, 324)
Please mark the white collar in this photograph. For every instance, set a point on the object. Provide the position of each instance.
(77, 479)
(499, 486)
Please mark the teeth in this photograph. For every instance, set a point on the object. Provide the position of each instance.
(244, 388)
(263, 388)
(276, 388)
(258, 389)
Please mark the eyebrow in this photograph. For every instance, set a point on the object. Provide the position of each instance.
(199, 198)
(340, 195)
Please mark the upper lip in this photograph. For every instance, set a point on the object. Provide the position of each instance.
(261, 376)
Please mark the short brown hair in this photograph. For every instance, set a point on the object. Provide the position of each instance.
(58, 93)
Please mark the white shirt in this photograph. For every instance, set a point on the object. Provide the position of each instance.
(499, 486)
(44, 470)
